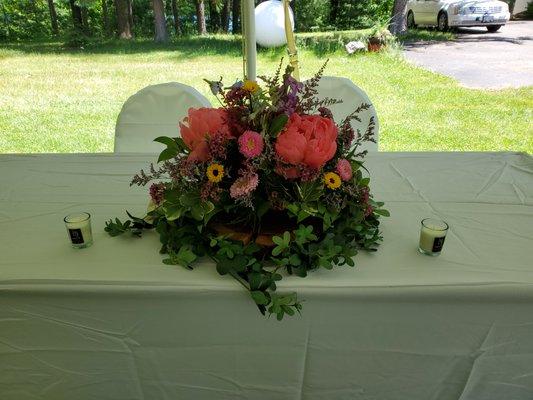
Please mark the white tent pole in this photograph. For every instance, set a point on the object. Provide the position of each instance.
(248, 27)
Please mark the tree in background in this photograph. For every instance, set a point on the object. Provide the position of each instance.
(160, 28)
(53, 17)
(106, 25)
(176, 17)
(124, 28)
(236, 16)
(77, 18)
(334, 7)
(214, 15)
(398, 23)
(33, 19)
(200, 17)
(224, 15)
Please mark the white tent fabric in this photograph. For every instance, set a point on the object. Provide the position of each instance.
(154, 111)
(352, 96)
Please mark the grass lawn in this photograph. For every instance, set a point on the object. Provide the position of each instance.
(56, 100)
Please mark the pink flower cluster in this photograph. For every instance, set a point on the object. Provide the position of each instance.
(344, 169)
(244, 185)
(251, 144)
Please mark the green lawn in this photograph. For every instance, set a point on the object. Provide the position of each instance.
(57, 100)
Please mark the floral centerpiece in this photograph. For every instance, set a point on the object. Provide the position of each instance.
(265, 185)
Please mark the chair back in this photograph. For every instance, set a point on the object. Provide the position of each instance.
(154, 111)
(352, 97)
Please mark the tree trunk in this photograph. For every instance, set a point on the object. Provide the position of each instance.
(123, 20)
(200, 16)
(53, 17)
(105, 18)
(235, 16)
(334, 7)
(76, 16)
(398, 23)
(84, 19)
(214, 16)
(293, 7)
(224, 16)
(176, 17)
(159, 21)
(130, 14)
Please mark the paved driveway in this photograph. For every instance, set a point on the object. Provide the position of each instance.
(479, 59)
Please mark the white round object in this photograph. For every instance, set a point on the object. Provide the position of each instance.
(270, 23)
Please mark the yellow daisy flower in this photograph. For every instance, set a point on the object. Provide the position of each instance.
(251, 86)
(215, 173)
(332, 180)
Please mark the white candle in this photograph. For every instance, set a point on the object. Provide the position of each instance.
(432, 236)
(79, 229)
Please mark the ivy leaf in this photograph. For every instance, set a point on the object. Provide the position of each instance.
(168, 141)
(259, 297)
(385, 213)
(278, 124)
(174, 147)
(304, 234)
(197, 212)
(184, 257)
(236, 264)
(189, 199)
(255, 279)
(167, 154)
(295, 260)
(117, 227)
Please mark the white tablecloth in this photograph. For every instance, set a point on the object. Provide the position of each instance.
(112, 322)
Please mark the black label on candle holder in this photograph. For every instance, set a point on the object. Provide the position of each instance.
(75, 236)
(437, 244)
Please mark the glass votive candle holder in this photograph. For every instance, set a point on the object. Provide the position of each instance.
(79, 229)
(432, 234)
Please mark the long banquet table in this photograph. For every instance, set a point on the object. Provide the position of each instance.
(113, 322)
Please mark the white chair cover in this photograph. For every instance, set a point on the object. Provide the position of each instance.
(352, 96)
(154, 111)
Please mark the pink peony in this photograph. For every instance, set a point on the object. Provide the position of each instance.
(308, 139)
(243, 186)
(344, 168)
(200, 124)
(251, 144)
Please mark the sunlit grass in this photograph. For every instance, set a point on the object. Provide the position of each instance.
(57, 100)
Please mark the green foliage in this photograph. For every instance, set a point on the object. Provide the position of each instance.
(25, 19)
(135, 226)
(362, 13)
(529, 9)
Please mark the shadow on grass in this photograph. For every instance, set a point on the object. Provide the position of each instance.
(425, 35)
(320, 43)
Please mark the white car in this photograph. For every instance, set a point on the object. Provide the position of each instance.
(446, 14)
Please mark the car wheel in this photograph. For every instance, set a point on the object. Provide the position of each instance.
(493, 28)
(442, 21)
(411, 20)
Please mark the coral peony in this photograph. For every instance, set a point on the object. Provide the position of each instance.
(308, 139)
(344, 168)
(200, 124)
(251, 144)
